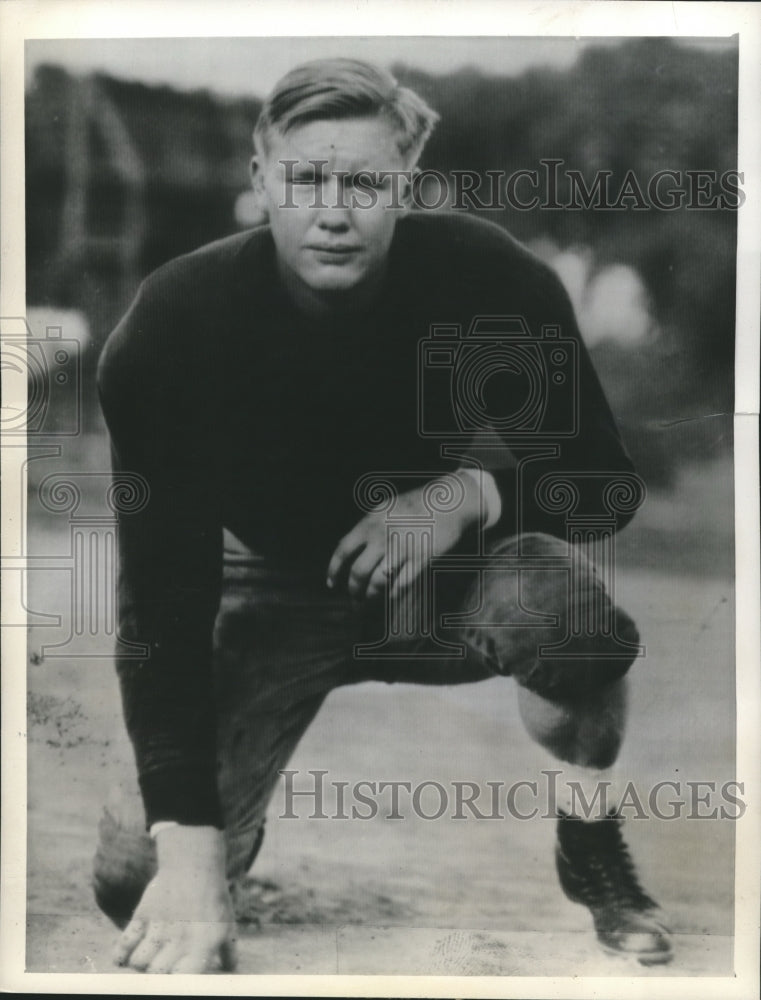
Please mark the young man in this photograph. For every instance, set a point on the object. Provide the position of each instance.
(271, 390)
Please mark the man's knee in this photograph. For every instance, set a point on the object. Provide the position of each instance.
(578, 642)
(586, 732)
(124, 864)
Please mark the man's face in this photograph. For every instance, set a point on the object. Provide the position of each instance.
(332, 225)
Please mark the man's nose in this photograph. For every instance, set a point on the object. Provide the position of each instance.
(335, 213)
(335, 220)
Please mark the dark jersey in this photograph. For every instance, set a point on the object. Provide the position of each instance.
(240, 412)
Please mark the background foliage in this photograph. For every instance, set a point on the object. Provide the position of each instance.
(122, 176)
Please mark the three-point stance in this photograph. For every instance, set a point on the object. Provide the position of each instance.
(254, 384)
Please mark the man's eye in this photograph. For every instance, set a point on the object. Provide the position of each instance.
(303, 181)
(366, 180)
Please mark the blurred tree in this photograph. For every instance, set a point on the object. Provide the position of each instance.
(98, 220)
(647, 106)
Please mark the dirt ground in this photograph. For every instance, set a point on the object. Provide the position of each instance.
(433, 897)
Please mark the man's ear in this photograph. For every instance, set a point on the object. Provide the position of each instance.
(257, 179)
(405, 189)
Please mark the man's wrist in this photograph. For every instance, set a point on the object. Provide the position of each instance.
(490, 501)
(180, 846)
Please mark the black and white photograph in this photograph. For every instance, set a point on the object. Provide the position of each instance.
(380, 549)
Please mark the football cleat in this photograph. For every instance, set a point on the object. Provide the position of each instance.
(595, 869)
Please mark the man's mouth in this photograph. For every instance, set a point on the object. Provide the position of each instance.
(337, 249)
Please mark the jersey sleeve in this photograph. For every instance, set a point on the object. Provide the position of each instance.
(170, 558)
(574, 448)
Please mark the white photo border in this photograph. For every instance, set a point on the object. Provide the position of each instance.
(66, 19)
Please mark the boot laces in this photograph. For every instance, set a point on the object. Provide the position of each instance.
(599, 867)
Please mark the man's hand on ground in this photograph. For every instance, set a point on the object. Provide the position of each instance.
(184, 922)
(362, 557)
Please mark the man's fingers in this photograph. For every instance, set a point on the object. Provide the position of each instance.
(348, 546)
(384, 574)
(153, 941)
(379, 580)
(194, 963)
(131, 936)
(207, 948)
(407, 575)
(195, 953)
(362, 569)
(164, 959)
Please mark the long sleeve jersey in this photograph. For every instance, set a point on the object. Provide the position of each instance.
(241, 413)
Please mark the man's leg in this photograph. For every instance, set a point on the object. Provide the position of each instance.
(280, 646)
(576, 708)
(586, 732)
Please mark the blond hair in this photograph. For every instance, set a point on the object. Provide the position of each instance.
(345, 88)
